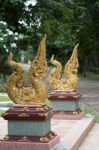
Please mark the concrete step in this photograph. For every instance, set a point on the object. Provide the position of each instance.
(71, 132)
(91, 142)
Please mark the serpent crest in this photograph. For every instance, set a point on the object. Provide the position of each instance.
(37, 91)
(71, 68)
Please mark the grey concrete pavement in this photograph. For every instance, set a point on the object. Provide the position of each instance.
(91, 142)
(90, 92)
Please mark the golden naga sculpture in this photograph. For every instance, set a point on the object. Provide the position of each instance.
(70, 71)
(37, 91)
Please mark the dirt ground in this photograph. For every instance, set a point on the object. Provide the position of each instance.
(90, 92)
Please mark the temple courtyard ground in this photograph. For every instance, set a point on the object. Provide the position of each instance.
(90, 92)
(74, 134)
(90, 95)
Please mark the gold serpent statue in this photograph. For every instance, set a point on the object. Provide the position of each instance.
(70, 71)
(37, 91)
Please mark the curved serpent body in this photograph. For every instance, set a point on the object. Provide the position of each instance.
(37, 91)
(70, 71)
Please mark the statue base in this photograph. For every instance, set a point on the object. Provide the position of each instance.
(47, 142)
(67, 115)
(29, 127)
(66, 104)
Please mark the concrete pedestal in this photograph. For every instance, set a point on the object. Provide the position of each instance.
(29, 128)
(67, 115)
(66, 104)
(71, 134)
(9, 145)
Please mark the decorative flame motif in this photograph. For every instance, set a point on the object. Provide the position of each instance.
(70, 71)
(37, 91)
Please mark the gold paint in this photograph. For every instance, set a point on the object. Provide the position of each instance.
(44, 139)
(40, 109)
(11, 108)
(23, 115)
(54, 134)
(45, 107)
(75, 113)
(42, 115)
(78, 111)
(70, 71)
(5, 114)
(61, 113)
(76, 96)
(6, 138)
(25, 109)
(60, 96)
(51, 136)
(46, 114)
(24, 139)
(37, 91)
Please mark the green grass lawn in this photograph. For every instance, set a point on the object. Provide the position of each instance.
(1, 111)
(4, 98)
(88, 109)
(91, 76)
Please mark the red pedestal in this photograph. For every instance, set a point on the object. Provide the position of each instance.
(65, 95)
(67, 115)
(59, 98)
(29, 113)
(25, 112)
(47, 142)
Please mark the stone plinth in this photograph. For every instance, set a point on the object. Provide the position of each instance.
(27, 120)
(29, 127)
(30, 143)
(71, 133)
(67, 115)
(66, 104)
(27, 112)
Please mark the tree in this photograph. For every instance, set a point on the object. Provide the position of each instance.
(65, 22)
(85, 14)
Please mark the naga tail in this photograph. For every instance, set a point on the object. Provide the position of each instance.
(14, 65)
(72, 62)
(56, 71)
(39, 64)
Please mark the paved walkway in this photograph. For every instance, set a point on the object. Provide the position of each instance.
(90, 92)
(91, 142)
(90, 95)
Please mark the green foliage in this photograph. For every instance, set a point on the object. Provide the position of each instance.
(2, 87)
(64, 22)
(4, 98)
(1, 112)
(88, 109)
(8, 42)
